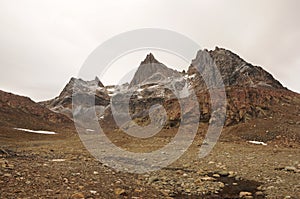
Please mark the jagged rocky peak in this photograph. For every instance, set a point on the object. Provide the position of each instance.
(99, 83)
(234, 70)
(152, 71)
(150, 59)
(78, 84)
(95, 81)
(93, 89)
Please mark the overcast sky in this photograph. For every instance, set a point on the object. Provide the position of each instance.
(44, 43)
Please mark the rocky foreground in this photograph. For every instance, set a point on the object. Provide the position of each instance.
(51, 167)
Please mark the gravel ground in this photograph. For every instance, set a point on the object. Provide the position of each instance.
(60, 167)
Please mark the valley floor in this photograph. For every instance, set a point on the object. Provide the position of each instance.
(55, 166)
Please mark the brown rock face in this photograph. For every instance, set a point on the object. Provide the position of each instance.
(245, 104)
(250, 90)
(233, 69)
(22, 112)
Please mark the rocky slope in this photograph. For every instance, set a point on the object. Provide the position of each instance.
(22, 112)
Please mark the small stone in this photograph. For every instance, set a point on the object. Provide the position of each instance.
(234, 184)
(216, 175)
(186, 165)
(93, 192)
(77, 196)
(238, 178)
(289, 168)
(259, 193)
(95, 172)
(179, 172)
(152, 179)
(200, 172)
(223, 173)
(243, 194)
(231, 174)
(80, 187)
(138, 190)
(185, 175)
(207, 178)
(7, 175)
(165, 192)
(221, 185)
(270, 187)
(8, 166)
(120, 192)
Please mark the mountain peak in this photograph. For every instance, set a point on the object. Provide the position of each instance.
(234, 70)
(150, 59)
(151, 70)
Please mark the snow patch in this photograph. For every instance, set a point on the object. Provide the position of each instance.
(110, 89)
(33, 131)
(58, 160)
(192, 76)
(241, 69)
(154, 86)
(257, 142)
(111, 94)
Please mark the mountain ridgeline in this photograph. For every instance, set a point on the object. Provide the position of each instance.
(251, 92)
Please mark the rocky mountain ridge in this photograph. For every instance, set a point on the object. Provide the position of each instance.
(251, 92)
(93, 90)
(22, 112)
